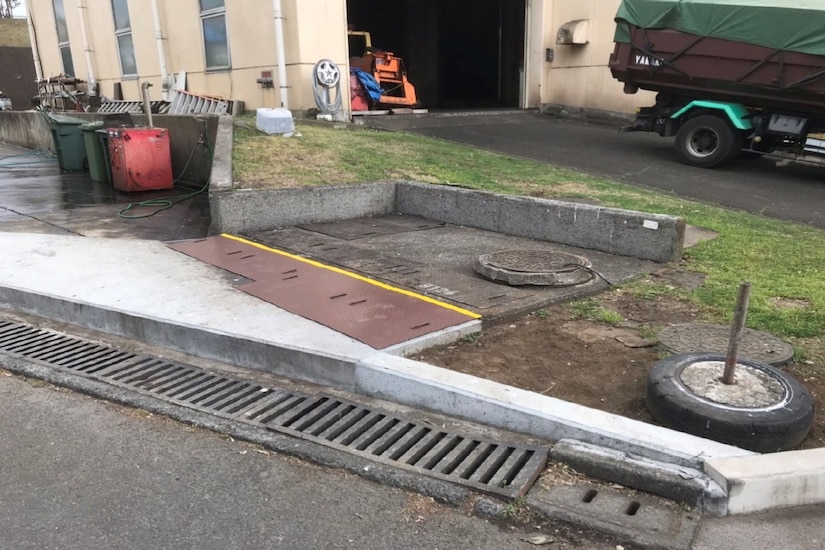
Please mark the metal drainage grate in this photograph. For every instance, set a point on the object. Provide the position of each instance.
(497, 468)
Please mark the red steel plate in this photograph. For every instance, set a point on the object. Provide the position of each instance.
(373, 314)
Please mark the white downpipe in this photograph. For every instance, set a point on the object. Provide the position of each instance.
(164, 72)
(90, 68)
(279, 45)
(35, 49)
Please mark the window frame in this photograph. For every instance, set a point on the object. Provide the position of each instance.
(64, 46)
(214, 13)
(124, 33)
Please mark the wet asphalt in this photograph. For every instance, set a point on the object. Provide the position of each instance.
(37, 197)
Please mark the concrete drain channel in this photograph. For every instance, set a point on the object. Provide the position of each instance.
(491, 467)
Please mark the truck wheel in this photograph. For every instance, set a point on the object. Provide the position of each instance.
(779, 424)
(707, 141)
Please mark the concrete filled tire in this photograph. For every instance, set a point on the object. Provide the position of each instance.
(707, 141)
(777, 421)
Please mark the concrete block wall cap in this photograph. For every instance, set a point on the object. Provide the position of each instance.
(540, 200)
(770, 481)
(409, 376)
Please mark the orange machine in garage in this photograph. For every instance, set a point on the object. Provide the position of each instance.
(387, 69)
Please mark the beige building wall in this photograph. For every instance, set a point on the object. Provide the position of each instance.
(316, 29)
(251, 30)
(43, 16)
(579, 75)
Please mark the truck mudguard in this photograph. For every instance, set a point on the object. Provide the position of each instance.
(736, 112)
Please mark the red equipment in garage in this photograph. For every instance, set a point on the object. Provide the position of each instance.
(141, 159)
(387, 69)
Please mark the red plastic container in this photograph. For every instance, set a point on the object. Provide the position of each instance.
(141, 159)
(360, 99)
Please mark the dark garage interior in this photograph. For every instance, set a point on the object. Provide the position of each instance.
(459, 54)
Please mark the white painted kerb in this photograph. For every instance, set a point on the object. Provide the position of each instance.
(770, 481)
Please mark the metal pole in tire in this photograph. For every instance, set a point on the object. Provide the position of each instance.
(739, 316)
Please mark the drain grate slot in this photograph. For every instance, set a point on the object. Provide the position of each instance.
(333, 432)
(26, 342)
(378, 430)
(196, 382)
(261, 408)
(380, 436)
(475, 460)
(159, 377)
(380, 446)
(240, 396)
(437, 454)
(261, 395)
(285, 406)
(177, 383)
(55, 353)
(348, 436)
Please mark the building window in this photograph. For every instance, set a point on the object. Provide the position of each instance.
(123, 35)
(215, 39)
(63, 37)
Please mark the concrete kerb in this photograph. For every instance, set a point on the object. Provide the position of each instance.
(221, 176)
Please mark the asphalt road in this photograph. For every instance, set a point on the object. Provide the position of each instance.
(794, 193)
(80, 473)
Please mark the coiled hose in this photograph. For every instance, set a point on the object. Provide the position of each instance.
(326, 77)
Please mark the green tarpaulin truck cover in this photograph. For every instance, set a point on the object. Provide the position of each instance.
(793, 25)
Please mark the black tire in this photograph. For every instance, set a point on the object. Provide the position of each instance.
(707, 141)
(778, 427)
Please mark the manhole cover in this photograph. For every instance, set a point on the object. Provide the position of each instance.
(755, 345)
(534, 267)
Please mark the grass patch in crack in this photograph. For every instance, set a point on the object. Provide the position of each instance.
(592, 310)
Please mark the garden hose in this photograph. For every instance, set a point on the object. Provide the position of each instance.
(326, 76)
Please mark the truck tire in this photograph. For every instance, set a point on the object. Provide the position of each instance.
(778, 427)
(707, 141)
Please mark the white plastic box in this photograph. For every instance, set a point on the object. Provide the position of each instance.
(274, 121)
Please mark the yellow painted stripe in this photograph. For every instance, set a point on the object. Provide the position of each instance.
(356, 276)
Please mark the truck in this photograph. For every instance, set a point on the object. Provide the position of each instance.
(731, 77)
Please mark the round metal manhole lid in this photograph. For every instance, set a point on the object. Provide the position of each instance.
(698, 337)
(535, 261)
(534, 267)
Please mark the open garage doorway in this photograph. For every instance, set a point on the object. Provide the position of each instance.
(459, 54)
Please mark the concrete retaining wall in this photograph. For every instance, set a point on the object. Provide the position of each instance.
(246, 210)
(626, 233)
(30, 129)
(26, 129)
(646, 236)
